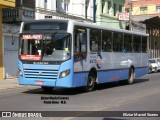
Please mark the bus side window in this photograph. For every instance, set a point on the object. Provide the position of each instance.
(137, 43)
(128, 43)
(95, 40)
(144, 44)
(94, 46)
(80, 44)
(106, 41)
(117, 42)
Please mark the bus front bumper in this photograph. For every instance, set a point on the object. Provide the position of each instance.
(61, 82)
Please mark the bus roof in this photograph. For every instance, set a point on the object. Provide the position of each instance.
(90, 25)
(93, 25)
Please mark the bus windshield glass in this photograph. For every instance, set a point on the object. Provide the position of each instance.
(46, 47)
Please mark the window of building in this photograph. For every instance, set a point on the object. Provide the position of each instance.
(158, 9)
(86, 8)
(56, 5)
(117, 42)
(95, 40)
(109, 7)
(115, 9)
(120, 8)
(143, 10)
(66, 7)
(106, 41)
(103, 4)
(45, 4)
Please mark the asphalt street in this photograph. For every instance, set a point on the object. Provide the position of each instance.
(143, 95)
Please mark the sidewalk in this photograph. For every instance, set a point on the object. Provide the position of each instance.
(9, 84)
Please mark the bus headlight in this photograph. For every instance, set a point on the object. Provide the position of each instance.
(64, 73)
(20, 72)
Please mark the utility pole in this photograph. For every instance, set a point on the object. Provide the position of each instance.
(130, 14)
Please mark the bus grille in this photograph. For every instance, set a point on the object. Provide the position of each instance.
(41, 73)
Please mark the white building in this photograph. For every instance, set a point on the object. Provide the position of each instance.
(64, 9)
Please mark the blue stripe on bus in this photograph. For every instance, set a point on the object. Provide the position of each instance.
(139, 72)
(80, 79)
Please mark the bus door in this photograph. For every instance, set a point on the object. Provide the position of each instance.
(80, 48)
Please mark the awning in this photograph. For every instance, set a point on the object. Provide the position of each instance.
(149, 20)
(154, 21)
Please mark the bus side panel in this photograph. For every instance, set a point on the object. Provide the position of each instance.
(80, 79)
(65, 82)
(112, 75)
(141, 72)
(143, 69)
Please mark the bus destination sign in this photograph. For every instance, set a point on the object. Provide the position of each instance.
(36, 36)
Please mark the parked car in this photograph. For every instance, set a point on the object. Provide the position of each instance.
(154, 66)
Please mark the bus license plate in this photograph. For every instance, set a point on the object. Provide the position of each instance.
(39, 83)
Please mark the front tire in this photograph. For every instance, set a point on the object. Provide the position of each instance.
(90, 82)
(130, 76)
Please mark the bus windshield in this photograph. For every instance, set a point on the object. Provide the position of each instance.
(45, 47)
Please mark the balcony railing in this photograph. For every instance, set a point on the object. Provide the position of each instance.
(17, 15)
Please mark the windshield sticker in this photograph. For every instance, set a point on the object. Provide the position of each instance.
(66, 49)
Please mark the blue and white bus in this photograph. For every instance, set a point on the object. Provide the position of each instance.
(68, 53)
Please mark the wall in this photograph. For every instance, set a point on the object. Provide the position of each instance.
(7, 3)
(1, 47)
(150, 4)
(10, 49)
(3, 4)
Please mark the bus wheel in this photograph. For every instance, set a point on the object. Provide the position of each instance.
(130, 76)
(45, 88)
(90, 82)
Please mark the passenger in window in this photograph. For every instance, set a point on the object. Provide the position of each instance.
(34, 49)
(94, 46)
(109, 45)
(106, 46)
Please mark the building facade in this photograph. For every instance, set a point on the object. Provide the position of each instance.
(23, 11)
(102, 12)
(64, 9)
(107, 13)
(148, 12)
(3, 4)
